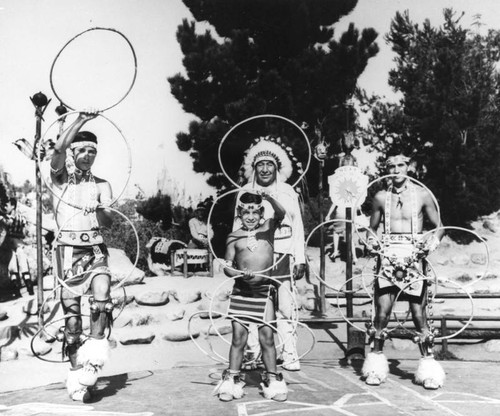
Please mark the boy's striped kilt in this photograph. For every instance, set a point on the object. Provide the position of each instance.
(248, 309)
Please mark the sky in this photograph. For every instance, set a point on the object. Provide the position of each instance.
(144, 124)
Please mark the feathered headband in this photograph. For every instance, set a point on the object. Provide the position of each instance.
(270, 149)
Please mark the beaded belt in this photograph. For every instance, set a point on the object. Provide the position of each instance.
(80, 238)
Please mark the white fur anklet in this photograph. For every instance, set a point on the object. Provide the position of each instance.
(275, 388)
(375, 368)
(429, 373)
(229, 387)
(92, 355)
(76, 391)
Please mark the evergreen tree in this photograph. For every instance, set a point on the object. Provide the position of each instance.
(448, 119)
(157, 208)
(267, 57)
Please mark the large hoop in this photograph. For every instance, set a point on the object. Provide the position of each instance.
(63, 283)
(463, 287)
(254, 118)
(129, 154)
(358, 201)
(222, 262)
(43, 328)
(225, 281)
(482, 240)
(65, 103)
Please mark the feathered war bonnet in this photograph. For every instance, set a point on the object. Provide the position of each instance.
(270, 149)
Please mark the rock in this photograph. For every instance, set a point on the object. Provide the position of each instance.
(8, 354)
(175, 312)
(309, 304)
(122, 320)
(113, 343)
(3, 315)
(120, 301)
(221, 295)
(460, 260)
(8, 334)
(224, 328)
(492, 345)
(490, 226)
(40, 349)
(306, 299)
(442, 261)
(177, 333)
(204, 314)
(478, 258)
(152, 298)
(136, 336)
(462, 277)
(219, 305)
(186, 295)
(48, 282)
(122, 268)
(403, 344)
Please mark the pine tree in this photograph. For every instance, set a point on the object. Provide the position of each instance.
(448, 119)
(267, 57)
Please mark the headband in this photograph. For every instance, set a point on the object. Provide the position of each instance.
(393, 160)
(76, 145)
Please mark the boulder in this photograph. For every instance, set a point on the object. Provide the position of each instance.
(40, 350)
(186, 295)
(8, 334)
(223, 328)
(478, 258)
(490, 225)
(136, 336)
(175, 312)
(48, 282)
(492, 345)
(152, 298)
(460, 260)
(3, 315)
(179, 332)
(8, 354)
(122, 268)
(219, 307)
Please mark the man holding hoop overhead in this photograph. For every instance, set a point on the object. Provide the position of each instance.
(267, 165)
(401, 267)
(81, 258)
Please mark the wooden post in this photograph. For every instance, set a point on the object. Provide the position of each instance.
(322, 287)
(172, 261)
(185, 265)
(355, 337)
(210, 264)
(38, 191)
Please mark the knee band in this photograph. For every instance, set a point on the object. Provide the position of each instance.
(101, 306)
(69, 336)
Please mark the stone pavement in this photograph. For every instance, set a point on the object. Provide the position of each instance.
(320, 388)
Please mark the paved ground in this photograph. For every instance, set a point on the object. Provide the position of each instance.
(320, 388)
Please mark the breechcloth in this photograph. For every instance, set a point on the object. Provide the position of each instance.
(398, 264)
(250, 301)
(79, 261)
